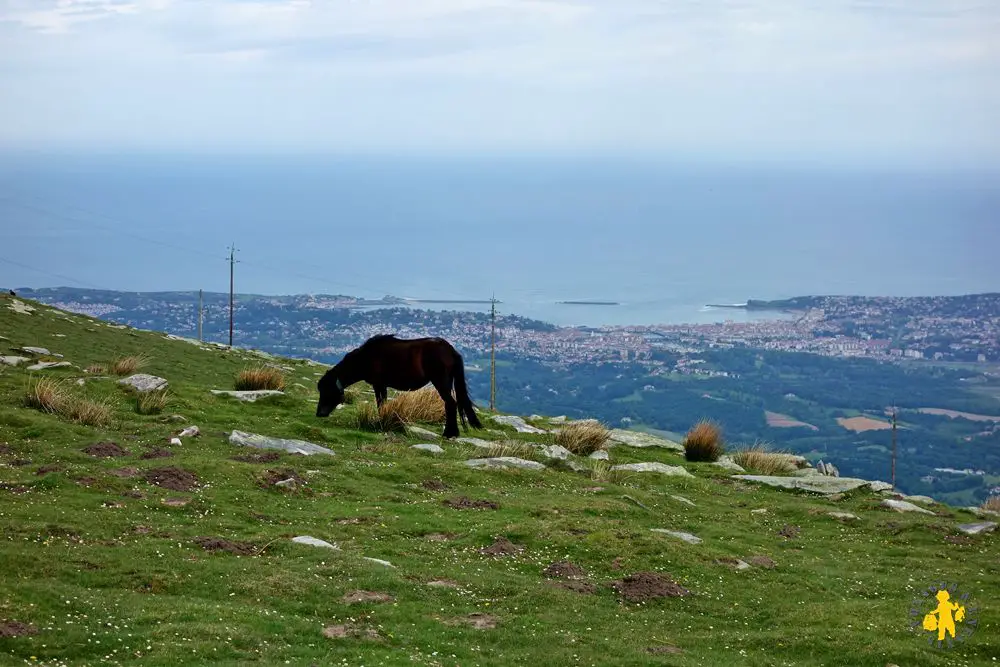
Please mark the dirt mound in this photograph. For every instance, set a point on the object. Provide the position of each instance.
(220, 544)
(16, 629)
(271, 477)
(790, 532)
(52, 467)
(346, 631)
(475, 620)
(14, 488)
(502, 547)
(126, 472)
(366, 596)
(564, 570)
(434, 485)
(578, 586)
(156, 453)
(173, 478)
(464, 503)
(643, 586)
(5, 449)
(264, 457)
(763, 561)
(958, 539)
(106, 449)
(20, 463)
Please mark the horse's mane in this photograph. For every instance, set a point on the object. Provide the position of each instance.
(378, 338)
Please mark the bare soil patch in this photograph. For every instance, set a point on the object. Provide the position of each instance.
(14, 488)
(440, 537)
(778, 420)
(156, 453)
(564, 569)
(5, 449)
(20, 463)
(355, 597)
(221, 544)
(464, 503)
(442, 583)
(271, 477)
(763, 561)
(665, 649)
(971, 416)
(51, 467)
(502, 547)
(434, 485)
(584, 587)
(475, 620)
(350, 631)
(173, 478)
(263, 457)
(958, 539)
(126, 472)
(16, 629)
(86, 481)
(789, 531)
(643, 586)
(106, 449)
(861, 424)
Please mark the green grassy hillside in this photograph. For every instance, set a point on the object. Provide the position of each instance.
(103, 565)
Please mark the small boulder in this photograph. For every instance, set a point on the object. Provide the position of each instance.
(143, 382)
(475, 442)
(37, 351)
(424, 433)
(505, 462)
(843, 516)
(378, 561)
(662, 468)
(285, 444)
(682, 499)
(729, 464)
(923, 500)
(641, 440)
(600, 455)
(12, 360)
(555, 452)
(314, 542)
(42, 365)
(978, 527)
(518, 423)
(248, 396)
(432, 449)
(878, 486)
(903, 506)
(686, 537)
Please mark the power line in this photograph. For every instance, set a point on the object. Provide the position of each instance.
(54, 275)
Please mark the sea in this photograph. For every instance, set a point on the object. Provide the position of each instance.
(662, 239)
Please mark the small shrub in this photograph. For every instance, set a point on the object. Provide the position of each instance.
(371, 418)
(47, 395)
(151, 402)
(758, 459)
(128, 365)
(704, 442)
(424, 405)
(260, 377)
(991, 504)
(583, 437)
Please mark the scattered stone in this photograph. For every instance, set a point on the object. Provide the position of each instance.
(790, 532)
(127, 472)
(734, 563)
(430, 448)
(682, 499)
(350, 631)
(662, 468)
(442, 583)
(760, 510)
(843, 516)
(728, 463)
(476, 620)
(379, 561)
(355, 597)
(189, 432)
(37, 351)
(42, 365)
(978, 527)
(314, 542)
(763, 561)
(827, 469)
(16, 629)
(815, 483)
(476, 442)
(502, 547)
(175, 419)
(505, 462)
(518, 423)
(173, 478)
(264, 442)
(439, 537)
(686, 537)
(561, 419)
(266, 457)
(464, 503)
(248, 396)
(12, 360)
(176, 442)
(143, 382)
(156, 453)
(925, 500)
(105, 449)
(287, 483)
(638, 439)
(564, 569)
(424, 433)
(20, 307)
(644, 586)
(878, 486)
(220, 544)
(175, 502)
(281, 477)
(600, 455)
(903, 506)
(434, 485)
(557, 452)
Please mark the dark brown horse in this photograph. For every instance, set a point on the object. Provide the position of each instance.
(386, 361)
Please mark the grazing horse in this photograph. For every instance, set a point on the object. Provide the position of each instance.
(386, 361)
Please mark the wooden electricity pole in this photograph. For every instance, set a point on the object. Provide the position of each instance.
(232, 264)
(493, 353)
(894, 447)
(201, 314)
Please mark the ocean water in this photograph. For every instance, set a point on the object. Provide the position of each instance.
(662, 239)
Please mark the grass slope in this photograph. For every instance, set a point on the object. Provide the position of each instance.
(108, 568)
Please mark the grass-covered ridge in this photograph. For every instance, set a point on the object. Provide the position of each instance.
(103, 565)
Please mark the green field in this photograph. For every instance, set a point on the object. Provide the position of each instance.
(101, 566)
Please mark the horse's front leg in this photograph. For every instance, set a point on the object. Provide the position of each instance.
(381, 393)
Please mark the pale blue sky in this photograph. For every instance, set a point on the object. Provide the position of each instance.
(903, 81)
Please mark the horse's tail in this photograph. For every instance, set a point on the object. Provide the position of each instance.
(465, 405)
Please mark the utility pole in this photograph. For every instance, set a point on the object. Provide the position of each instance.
(201, 314)
(232, 264)
(894, 447)
(493, 353)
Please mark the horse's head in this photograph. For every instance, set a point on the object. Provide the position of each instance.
(331, 393)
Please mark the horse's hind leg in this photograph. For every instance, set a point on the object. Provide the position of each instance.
(450, 409)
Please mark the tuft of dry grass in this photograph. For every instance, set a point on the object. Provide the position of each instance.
(151, 402)
(758, 459)
(514, 448)
(704, 442)
(584, 437)
(96, 369)
(424, 405)
(991, 504)
(259, 377)
(371, 418)
(128, 365)
(52, 396)
(602, 471)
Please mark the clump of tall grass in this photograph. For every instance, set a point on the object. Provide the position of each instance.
(514, 448)
(52, 396)
(704, 442)
(602, 471)
(370, 418)
(583, 437)
(151, 402)
(424, 405)
(96, 369)
(991, 504)
(757, 458)
(128, 365)
(259, 377)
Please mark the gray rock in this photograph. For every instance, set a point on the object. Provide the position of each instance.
(476, 442)
(423, 433)
(190, 432)
(143, 382)
(662, 468)
(561, 419)
(243, 439)
(12, 360)
(682, 499)
(555, 452)
(433, 449)
(729, 464)
(518, 423)
(248, 396)
(847, 516)
(807, 472)
(639, 439)
(505, 462)
(600, 455)
(878, 486)
(687, 537)
(314, 542)
(978, 527)
(42, 365)
(903, 506)
(289, 483)
(813, 483)
(37, 351)
(379, 561)
(980, 512)
(577, 466)
(924, 500)
(20, 307)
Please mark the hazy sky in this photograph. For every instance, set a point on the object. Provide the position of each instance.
(910, 81)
